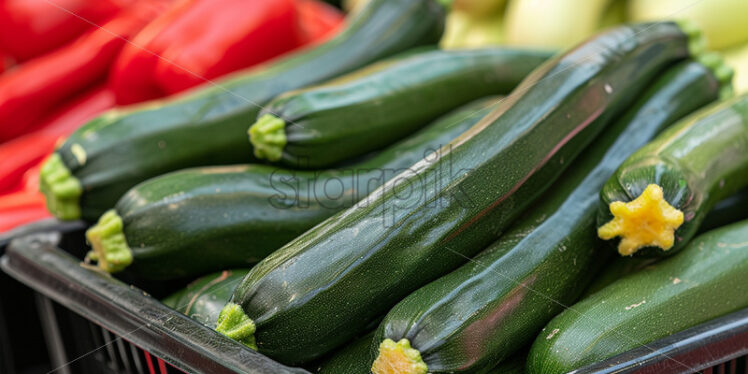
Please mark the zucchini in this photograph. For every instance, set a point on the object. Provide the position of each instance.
(661, 194)
(253, 209)
(106, 157)
(706, 280)
(506, 294)
(321, 289)
(355, 359)
(351, 359)
(203, 298)
(323, 125)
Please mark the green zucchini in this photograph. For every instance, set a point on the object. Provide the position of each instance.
(321, 289)
(114, 152)
(355, 359)
(155, 230)
(506, 294)
(661, 194)
(323, 125)
(706, 280)
(204, 298)
(351, 359)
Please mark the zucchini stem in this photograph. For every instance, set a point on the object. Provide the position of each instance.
(398, 358)
(696, 39)
(268, 137)
(61, 189)
(110, 249)
(723, 72)
(446, 3)
(648, 220)
(235, 324)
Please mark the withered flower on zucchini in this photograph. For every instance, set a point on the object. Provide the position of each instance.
(659, 196)
(206, 219)
(704, 281)
(480, 314)
(323, 288)
(370, 108)
(112, 153)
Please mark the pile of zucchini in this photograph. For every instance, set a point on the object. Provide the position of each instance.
(385, 211)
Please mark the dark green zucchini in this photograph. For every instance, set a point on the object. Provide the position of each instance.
(706, 280)
(365, 110)
(321, 289)
(206, 219)
(109, 155)
(654, 203)
(725, 212)
(351, 359)
(355, 359)
(204, 298)
(506, 294)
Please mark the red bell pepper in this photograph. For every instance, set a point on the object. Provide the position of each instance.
(202, 39)
(5, 62)
(34, 89)
(21, 153)
(318, 21)
(31, 28)
(21, 207)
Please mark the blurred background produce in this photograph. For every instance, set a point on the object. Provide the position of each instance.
(106, 100)
(61, 46)
(560, 24)
(63, 63)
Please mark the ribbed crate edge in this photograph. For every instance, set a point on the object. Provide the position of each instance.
(122, 309)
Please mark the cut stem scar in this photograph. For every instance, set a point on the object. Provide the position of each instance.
(268, 137)
(110, 249)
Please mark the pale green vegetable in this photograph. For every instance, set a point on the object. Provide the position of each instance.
(465, 31)
(552, 23)
(480, 8)
(723, 22)
(737, 58)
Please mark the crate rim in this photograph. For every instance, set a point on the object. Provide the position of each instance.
(129, 312)
(34, 259)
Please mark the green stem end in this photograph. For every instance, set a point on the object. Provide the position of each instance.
(62, 191)
(398, 358)
(110, 249)
(446, 3)
(723, 72)
(696, 39)
(235, 324)
(268, 137)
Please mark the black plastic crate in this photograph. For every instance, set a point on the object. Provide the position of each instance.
(94, 323)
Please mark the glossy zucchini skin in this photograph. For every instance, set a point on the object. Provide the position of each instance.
(318, 291)
(706, 280)
(122, 148)
(500, 300)
(203, 298)
(355, 359)
(352, 358)
(373, 107)
(697, 162)
(206, 219)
